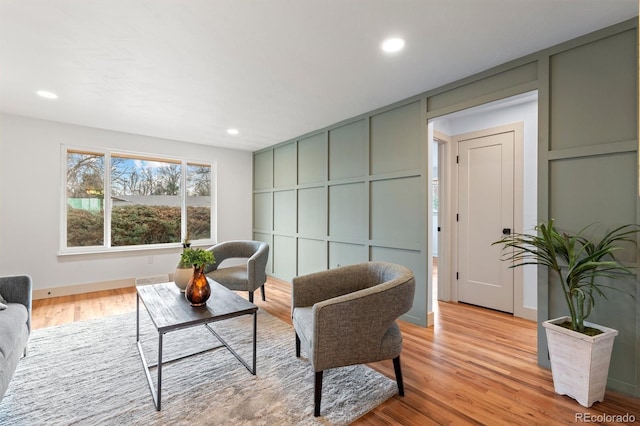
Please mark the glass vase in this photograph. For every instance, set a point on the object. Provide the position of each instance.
(198, 289)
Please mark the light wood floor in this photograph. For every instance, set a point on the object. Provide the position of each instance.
(475, 366)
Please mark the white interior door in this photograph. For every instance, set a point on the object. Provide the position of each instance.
(485, 211)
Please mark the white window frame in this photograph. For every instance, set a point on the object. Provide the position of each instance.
(106, 247)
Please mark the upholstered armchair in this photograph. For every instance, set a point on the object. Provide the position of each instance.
(347, 315)
(248, 277)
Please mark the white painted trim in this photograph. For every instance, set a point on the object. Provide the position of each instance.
(47, 293)
(444, 216)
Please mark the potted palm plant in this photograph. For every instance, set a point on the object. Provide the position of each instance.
(580, 351)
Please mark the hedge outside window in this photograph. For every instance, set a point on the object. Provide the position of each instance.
(153, 201)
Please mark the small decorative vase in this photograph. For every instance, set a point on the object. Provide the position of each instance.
(198, 289)
(182, 277)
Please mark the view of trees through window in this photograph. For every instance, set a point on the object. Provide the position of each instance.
(146, 200)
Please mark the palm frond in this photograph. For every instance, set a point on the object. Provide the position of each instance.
(585, 265)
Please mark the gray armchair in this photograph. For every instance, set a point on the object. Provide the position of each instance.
(247, 277)
(347, 315)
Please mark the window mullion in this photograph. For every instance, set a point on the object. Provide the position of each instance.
(107, 200)
(183, 192)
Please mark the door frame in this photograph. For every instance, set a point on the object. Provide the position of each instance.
(444, 207)
(518, 199)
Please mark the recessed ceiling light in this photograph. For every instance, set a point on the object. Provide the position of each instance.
(391, 45)
(233, 131)
(46, 94)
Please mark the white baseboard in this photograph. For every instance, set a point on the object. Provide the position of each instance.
(47, 293)
(526, 313)
(431, 319)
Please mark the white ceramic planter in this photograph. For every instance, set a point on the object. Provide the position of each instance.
(579, 363)
(182, 277)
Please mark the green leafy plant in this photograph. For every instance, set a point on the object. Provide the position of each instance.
(578, 261)
(186, 243)
(196, 257)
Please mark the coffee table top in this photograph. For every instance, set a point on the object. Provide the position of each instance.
(169, 310)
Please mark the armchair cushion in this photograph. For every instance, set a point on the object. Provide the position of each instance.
(233, 277)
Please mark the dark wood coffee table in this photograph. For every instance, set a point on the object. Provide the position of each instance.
(170, 311)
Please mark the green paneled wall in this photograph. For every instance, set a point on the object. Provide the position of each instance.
(263, 211)
(312, 212)
(357, 190)
(593, 173)
(347, 210)
(477, 88)
(395, 140)
(348, 151)
(284, 212)
(263, 170)
(396, 213)
(593, 96)
(339, 194)
(312, 159)
(284, 166)
(312, 256)
(346, 254)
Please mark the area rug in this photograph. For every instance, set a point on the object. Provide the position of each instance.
(90, 373)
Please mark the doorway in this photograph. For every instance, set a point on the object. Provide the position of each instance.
(451, 128)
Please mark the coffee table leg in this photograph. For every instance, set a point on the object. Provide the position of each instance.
(160, 335)
(255, 330)
(156, 393)
(137, 317)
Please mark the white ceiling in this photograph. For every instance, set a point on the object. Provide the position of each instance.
(274, 69)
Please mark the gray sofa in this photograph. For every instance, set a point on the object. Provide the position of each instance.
(15, 325)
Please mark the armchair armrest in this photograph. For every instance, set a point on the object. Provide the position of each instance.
(17, 289)
(257, 266)
(310, 289)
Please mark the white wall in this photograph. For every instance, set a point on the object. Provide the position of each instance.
(30, 204)
(481, 118)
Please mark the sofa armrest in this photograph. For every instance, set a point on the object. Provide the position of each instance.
(17, 289)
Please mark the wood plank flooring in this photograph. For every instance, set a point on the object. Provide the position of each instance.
(475, 366)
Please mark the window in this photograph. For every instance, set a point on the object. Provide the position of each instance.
(119, 200)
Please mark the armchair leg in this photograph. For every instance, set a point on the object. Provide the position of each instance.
(251, 296)
(297, 346)
(317, 396)
(398, 370)
(263, 293)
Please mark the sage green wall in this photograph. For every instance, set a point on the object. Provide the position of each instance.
(591, 162)
(347, 194)
(357, 190)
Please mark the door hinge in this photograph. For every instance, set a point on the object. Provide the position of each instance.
(457, 217)
(457, 159)
(457, 275)
(438, 229)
